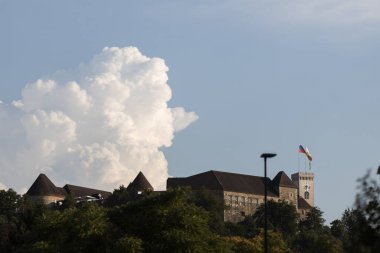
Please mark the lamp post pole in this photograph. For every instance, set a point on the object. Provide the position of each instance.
(266, 156)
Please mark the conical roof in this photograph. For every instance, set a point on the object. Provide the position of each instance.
(140, 183)
(281, 179)
(43, 187)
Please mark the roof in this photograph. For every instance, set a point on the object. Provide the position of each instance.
(79, 191)
(196, 182)
(226, 181)
(281, 179)
(302, 203)
(140, 183)
(42, 186)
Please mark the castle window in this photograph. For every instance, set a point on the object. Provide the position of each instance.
(230, 199)
(250, 201)
(237, 200)
(243, 201)
(306, 195)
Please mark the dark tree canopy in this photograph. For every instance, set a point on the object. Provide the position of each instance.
(183, 221)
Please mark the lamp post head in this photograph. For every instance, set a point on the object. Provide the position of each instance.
(268, 155)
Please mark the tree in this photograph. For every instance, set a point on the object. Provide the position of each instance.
(282, 217)
(244, 245)
(81, 229)
(10, 203)
(314, 237)
(276, 242)
(351, 231)
(167, 222)
(119, 196)
(368, 206)
(314, 220)
(128, 244)
(214, 207)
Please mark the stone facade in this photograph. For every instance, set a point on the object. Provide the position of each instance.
(289, 195)
(305, 184)
(238, 205)
(46, 200)
(243, 194)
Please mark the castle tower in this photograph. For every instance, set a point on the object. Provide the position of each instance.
(305, 183)
(44, 191)
(139, 185)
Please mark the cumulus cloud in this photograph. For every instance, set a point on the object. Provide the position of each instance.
(3, 187)
(97, 125)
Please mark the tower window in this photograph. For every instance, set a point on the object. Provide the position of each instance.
(307, 195)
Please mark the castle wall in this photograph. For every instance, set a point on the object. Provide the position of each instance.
(288, 194)
(302, 213)
(238, 205)
(46, 200)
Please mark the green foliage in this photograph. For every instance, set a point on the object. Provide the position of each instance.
(183, 221)
(314, 237)
(276, 243)
(359, 228)
(314, 220)
(68, 202)
(214, 207)
(119, 196)
(282, 217)
(368, 207)
(350, 230)
(9, 203)
(128, 244)
(166, 222)
(72, 230)
(244, 245)
(247, 228)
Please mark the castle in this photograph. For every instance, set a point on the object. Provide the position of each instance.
(241, 194)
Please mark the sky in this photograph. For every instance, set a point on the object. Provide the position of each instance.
(92, 92)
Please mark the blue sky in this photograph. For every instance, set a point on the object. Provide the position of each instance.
(261, 75)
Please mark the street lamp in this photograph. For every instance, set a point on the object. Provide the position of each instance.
(265, 156)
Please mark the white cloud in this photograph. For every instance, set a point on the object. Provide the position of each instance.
(96, 126)
(182, 118)
(3, 187)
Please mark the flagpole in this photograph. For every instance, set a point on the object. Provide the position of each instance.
(298, 162)
(305, 164)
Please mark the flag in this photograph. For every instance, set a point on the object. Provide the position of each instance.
(308, 154)
(305, 151)
(301, 150)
